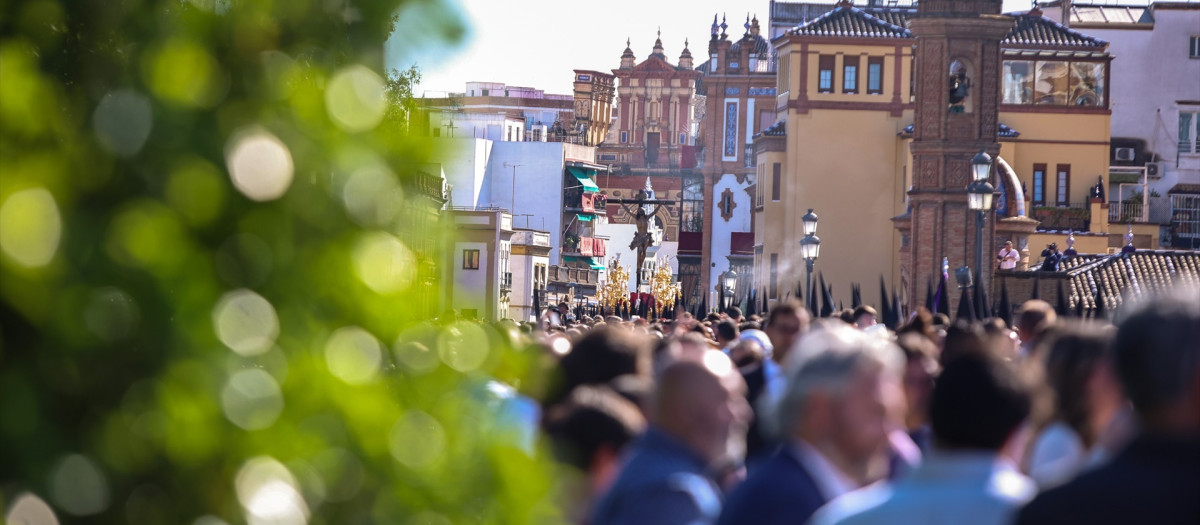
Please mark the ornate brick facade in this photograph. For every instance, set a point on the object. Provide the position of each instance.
(946, 137)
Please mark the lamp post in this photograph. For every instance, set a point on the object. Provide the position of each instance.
(729, 279)
(979, 199)
(810, 246)
(513, 203)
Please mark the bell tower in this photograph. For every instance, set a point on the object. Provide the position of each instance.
(957, 90)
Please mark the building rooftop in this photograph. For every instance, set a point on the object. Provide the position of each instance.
(1029, 29)
(1033, 29)
(778, 129)
(1115, 279)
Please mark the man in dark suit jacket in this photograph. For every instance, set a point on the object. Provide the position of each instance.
(1156, 479)
(831, 428)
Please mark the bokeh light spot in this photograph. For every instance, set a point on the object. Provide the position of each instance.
(267, 491)
(372, 196)
(355, 98)
(78, 486)
(384, 263)
(353, 355)
(30, 227)
(259, 164)
(28, 509)
(415, 357)
(184, 73)
(251, 399)
(463, 346)
(245, 322)
(111, 314)
(417, 440)
(122, 122)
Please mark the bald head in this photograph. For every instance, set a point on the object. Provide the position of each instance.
(701, 402)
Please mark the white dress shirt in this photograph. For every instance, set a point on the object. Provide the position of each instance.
(830, 481)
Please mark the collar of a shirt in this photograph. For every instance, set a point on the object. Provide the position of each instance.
(829, 479)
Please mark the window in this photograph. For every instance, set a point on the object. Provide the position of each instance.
(774, 275)
(1087, 84)
(1194, 46)
(1039, 184)
(1054, 83)
(776, 179)
(683, 138)
(875, 75)
(1189, 132)
(1018, 82)
(849, 74)
(1050, 85)
(470, 259)
(825, 74)
(1063, 185)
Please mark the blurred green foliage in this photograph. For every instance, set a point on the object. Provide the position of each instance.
(213, 299)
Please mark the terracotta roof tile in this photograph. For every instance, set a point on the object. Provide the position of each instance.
(852, 22)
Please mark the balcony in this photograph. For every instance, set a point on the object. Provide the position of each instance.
(1157, 212)
(585, 246)
(563, 274)
(584, 202)
(1074, 216)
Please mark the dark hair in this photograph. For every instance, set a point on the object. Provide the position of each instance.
(734, 312)
(846, 315)
(603, 354)
(727, 330)
(790, 307)
(977, 403)
(864, 310)
(963, 338)
(592, 417)
(1158, 350)
(1073, 351)
(749, 325)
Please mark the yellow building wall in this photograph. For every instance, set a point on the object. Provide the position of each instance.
(1080, 140)
(767, 222)
(844, 165)
(862, 51)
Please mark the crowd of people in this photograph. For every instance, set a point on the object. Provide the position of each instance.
(788, 418)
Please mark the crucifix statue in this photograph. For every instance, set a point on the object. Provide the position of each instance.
(643, 209)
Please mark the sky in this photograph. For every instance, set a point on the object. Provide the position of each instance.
(537, 43)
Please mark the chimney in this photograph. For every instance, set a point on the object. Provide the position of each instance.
(1066, 13)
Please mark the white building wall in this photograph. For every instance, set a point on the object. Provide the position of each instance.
(537, 202)
(739, 222)
(470, 286)
(1151, 72)
(464, 162)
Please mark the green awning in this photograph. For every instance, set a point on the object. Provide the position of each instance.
(585, 217)
(584, 178)
(593, 262)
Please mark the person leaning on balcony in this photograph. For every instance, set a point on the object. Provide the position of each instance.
(1051, 258)
(1008, 256)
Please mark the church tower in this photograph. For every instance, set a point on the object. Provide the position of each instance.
(957, 89)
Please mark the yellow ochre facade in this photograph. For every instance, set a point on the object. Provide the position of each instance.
(841, 147)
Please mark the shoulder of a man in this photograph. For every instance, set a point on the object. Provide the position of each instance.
(680, 498)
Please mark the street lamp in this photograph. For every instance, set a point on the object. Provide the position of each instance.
(810, 222)
(730, 284)
(980, 194)
(810, 246)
